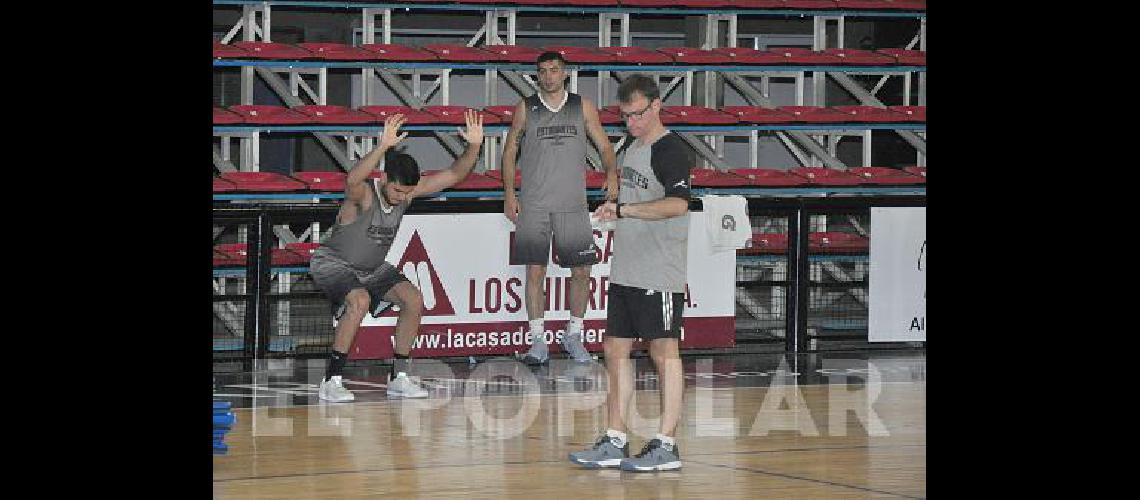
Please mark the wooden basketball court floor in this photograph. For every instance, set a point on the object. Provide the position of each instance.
(822, 425)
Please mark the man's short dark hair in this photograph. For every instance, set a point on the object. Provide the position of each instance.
(641, 84)
(551, 55)
(401, 168)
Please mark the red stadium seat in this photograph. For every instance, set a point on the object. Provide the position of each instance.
(514, 53)
(498, 114)
(270, 115)
(610, 115)
(336, 51)
(597, 3)
(919, 171)
(398, 53)
(272, 50)
(837, 242)
(262, 182)
(225, 50)
(743, 55)
(326, 182)
(287, 257)
(810, 4)
(696, 115)
(827, 176)
(707, 177)
(497, 175)
(636, 55)
(881, 4)
(476, 181)
(451, 115)
(222, 185)
(910, 113)
(230, 254)
(881, 175)
(767, 177)
(906, 4)
(686, 55)
(595, 179)
(758, 115)
(460, 53)
(304, 250)
(869, 114)
(816, 114)
(800, 55)
(224, 117)
(907, 57)
(412, 116)
(860, 57)
(580, 55)
(677, 3)
(759, 4)
(766, 243)
(329, 114)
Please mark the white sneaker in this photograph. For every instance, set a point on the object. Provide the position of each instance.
(333, 390)
(404, 387)
(572, 344)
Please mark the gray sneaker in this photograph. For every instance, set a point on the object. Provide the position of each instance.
(538, 354)
(572, 344)
(604, 454)
(654, 456)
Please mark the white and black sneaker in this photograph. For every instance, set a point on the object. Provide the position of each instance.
(333, 390)
(653, 457)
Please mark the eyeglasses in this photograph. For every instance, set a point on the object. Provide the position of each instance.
(638, 114)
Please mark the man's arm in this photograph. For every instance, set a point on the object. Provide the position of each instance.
(510, 155)
(463, 164)
(605, 147)
(354, 188)
(671, 160)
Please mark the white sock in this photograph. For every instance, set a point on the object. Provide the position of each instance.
(618, 435)
(575, 326)
(666, 439)
(536, 331)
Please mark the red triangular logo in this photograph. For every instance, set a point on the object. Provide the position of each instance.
(436, 301)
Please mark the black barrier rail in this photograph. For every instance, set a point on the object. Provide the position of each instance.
(260, 220)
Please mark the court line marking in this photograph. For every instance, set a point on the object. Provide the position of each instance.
(528, 462)
(557, 394)
(808, 479)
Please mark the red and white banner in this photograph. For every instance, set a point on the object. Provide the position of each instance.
(474, 299)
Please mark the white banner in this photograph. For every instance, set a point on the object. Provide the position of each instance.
(897, 275)
(460, 264)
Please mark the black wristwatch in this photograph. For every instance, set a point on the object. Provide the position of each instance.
(619, 209)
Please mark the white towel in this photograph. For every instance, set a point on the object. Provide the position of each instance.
(726, 219)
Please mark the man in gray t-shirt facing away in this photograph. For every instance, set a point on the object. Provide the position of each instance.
(548, 141)
(647, 278)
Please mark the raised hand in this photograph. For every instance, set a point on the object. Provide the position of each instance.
(391, 136)
(474, 132)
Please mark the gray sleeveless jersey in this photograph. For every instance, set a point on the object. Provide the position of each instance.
(552, 157)
(364, 242)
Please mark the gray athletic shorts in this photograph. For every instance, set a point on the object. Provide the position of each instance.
(573, 239)
(336, 278)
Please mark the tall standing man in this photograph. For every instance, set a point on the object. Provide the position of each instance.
(550, 129)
